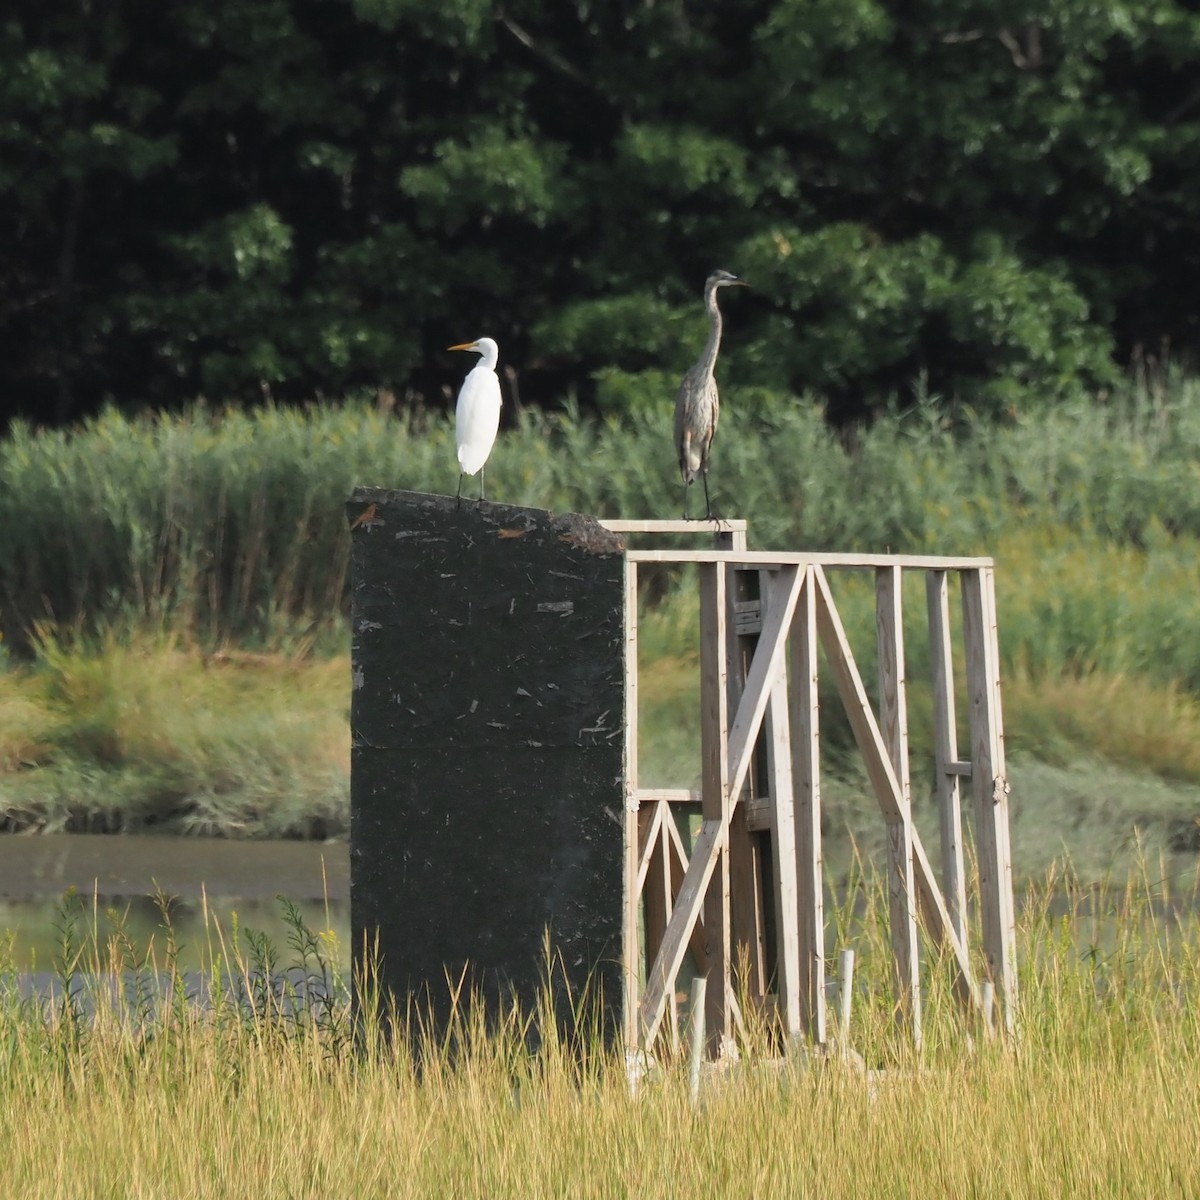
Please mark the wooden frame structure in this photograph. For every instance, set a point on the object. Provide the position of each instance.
(763, 616)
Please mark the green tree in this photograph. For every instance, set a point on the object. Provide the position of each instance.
(295, 197)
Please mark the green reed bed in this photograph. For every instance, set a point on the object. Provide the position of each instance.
(243, 1095)
(146, 731)
(172, 591)
(230, 524)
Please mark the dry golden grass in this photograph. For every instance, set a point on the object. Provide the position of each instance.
(1097, 1096)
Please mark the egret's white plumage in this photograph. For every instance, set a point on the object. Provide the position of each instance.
(477, 417)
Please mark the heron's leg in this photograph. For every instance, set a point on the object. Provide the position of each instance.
(686, 494)
(458, 494)
(707, 501)
(480, 485)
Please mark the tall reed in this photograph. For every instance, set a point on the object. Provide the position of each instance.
(227, 524)
(233, 1092)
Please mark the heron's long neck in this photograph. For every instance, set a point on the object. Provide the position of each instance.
(488, 357)
(709, 361)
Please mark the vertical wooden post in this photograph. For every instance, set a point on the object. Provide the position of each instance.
(777, 736)
(945, 745)
(806, 776)
(894, 727)
(990, 785)
(630, 952)
(745, 846)
(715, 798)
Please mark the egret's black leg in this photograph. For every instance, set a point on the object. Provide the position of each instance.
(480, 485)
(458, 494)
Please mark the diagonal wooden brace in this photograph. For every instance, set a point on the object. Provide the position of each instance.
(764, 669)
(766, 666)
(883, 779)
(709, 843)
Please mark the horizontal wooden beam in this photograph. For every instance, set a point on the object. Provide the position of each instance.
(670, 795)
(757, 809)
(775, 558)
(700, 525)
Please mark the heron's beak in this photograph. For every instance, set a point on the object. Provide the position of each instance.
(464, 346)
(740, 283)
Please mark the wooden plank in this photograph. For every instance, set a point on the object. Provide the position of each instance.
(768, 662)
(716, 796)
(747, 939)
(989, 787)
(806, 791)
(778, 739)
(670, 795)
(631, 875)
(879, 769)
(945, 747)
(678, 856)
(654, 877)
(759, 811)
(783, 855)
(747, 617)
(889, 634)
(730, 525)
(771, 559)
(689, 900)
(665, 884)
(1000, 801)
(854, 698)
(730, 535)
(649, 832)
(936, 916)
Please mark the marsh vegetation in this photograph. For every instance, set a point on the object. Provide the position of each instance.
(175, 628)
(226, 1084)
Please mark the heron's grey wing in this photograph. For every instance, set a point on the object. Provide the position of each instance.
(691, 424)
(680, 418)
(714, 404)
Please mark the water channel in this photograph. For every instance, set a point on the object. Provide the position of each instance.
(212, 883)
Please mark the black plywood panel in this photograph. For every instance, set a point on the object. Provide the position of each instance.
(487, 720)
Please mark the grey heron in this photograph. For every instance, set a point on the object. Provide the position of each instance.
(698, 406)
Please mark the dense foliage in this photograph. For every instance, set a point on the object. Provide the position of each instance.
(300, 197)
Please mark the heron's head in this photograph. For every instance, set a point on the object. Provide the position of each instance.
(724, 279)
(484, 346)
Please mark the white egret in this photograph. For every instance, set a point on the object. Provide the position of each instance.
(698, 406)
(477, 417)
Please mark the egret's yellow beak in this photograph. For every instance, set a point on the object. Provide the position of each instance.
(464, 346)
